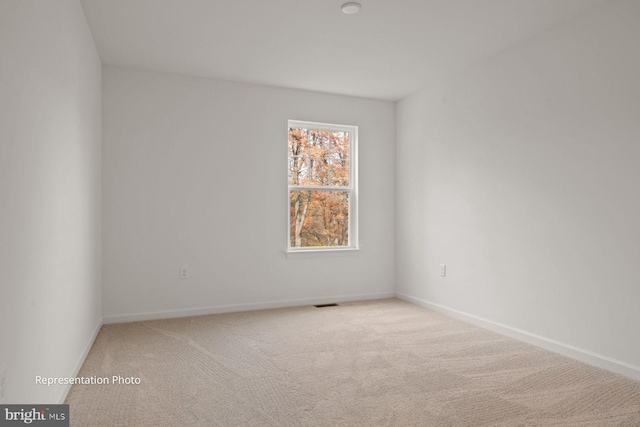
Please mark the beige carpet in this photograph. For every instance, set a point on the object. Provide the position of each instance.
(375, 363)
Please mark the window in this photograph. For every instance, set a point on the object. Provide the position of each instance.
(322, 186)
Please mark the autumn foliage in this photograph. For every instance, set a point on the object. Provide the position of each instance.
(318, 176)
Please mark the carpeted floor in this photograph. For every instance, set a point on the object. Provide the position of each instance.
(374, 363)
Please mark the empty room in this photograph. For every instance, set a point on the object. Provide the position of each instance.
(320, 213)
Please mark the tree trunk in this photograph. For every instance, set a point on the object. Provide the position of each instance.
(301, 213)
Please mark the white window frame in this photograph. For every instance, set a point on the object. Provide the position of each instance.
(352, 189)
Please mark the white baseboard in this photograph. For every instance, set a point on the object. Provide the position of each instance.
(80, 362)
(168, 314)
(582, 355)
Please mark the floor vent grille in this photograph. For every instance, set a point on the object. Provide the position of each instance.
(325, 305)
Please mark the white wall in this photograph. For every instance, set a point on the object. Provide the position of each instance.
(195, 175)
(521, 175)
(50, 136)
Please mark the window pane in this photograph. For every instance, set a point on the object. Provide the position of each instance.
(298, 170)
(339, 173)
(318, 157)
(319, 142)
(319, 171)
(339, 145)
(319, 218)
(298, 142)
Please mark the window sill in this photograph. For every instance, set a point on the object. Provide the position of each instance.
(322, 253)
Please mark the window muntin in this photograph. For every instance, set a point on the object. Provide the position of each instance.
(322, 191)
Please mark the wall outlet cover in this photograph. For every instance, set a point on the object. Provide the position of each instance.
(184, 272)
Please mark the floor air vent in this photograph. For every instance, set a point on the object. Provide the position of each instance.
(325, 305)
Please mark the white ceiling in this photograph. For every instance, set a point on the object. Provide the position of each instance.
(390, 49)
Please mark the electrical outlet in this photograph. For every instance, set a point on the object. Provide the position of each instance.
(184, 272)
(3, 385)
(443, 270)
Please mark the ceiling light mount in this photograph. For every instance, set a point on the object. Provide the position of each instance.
(351, 8)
